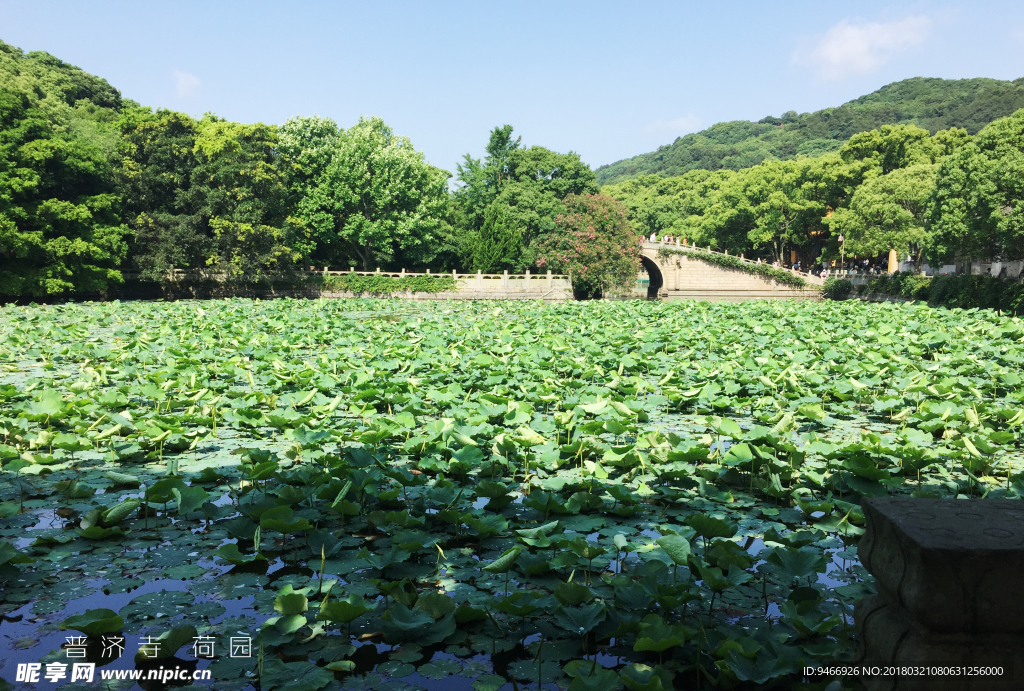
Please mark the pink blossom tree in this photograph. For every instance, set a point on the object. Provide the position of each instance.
(594, 243)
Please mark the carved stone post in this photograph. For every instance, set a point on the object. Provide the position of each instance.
(950, 579)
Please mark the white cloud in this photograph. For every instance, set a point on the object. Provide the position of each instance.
(849, 48)
(678, 127)
(185, 83)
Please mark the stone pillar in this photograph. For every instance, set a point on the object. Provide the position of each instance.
(504, 279)
(950, 579)
(549, 279)
(479, 280)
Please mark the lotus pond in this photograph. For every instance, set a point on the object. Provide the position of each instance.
(391, 495)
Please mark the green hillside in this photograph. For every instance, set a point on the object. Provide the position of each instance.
(934, 104)
(76, 105)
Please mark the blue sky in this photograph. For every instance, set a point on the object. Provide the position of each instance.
(607, 80)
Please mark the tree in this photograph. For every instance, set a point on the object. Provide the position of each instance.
(498, 246)
(245, 199)
(671, 206)
(529, 184)
(932, 104)
(888, 212)
(205, 194)
(305, 146)
(377, 197)
(890, 147)
(978, 207)
(154, 177)
(481, 181)
(539, 179)
(594, 243)
(770, 203)
(60, 229)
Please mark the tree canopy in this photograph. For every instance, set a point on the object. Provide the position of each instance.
(59, 223)
(525, 188)
(94, 186)
(376, 197)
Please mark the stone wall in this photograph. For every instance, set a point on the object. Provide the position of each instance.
(683, 277)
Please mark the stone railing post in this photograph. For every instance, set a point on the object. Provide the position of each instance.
(949, 574)
(504, 279)
(549, 279)
(479, 280)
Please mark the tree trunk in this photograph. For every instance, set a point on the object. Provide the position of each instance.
(365, 255)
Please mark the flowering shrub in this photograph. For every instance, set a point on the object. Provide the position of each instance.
(593, 243)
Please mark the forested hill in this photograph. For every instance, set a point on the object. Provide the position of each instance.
(76, 105)
(934, 104)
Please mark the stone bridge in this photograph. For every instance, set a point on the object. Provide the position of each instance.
(676, 271)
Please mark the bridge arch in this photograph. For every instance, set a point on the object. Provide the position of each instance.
(655, 275)
(678, 272)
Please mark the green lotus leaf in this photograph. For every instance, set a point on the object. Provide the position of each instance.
(798, 564)
(580, 620)
(293, 676)
(505, 561)
(641, 677)
(289, 602)
(231, 554)
(168, 643)
(94, 622)
(710, 527)
(190, 499)
(116, 514)
(344, 609)
(658, 637)
(677, 547)
(437, 605)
